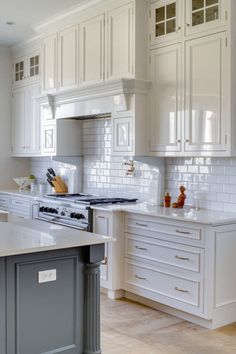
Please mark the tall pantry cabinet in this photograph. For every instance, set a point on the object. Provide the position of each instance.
(25, 104)
(190, 53)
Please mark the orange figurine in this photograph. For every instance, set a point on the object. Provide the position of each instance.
(181, 198)
(167, 200)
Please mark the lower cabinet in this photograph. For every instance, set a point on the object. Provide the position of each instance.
(185, 266)
(4, 202)
(20, 207)
(45, 315)
(108, 223)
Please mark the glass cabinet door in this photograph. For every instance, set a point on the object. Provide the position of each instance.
(165, 20)
(202, 15)
(19, 70)
(34, 66)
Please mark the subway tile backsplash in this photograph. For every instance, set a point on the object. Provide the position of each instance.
(210, 182)
(103, 173)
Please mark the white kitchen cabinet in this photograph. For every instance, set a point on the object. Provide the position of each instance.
(181, 267)
(26, 69)
(68, 62)
(206, 94)
(120, 42)
(123, 134)
(204, 15)
(26, 121)
(107, 223)
(20, 207)
(49, 77)
(4, 202)
(166, 99)
(165, 21)
(62, 137)
(92, 50)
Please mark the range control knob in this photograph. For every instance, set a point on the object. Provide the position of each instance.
(41, 209)
(72, 215)
(63, 213)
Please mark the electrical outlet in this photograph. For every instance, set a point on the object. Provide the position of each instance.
(46, 276)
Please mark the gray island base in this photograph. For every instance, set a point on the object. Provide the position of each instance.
(50, 300)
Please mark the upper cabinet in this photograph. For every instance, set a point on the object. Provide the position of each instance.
(68, 62)
(165, 21)
(49, 55)
(203, 15)
(120, 42)
(105, 44)
(172, 19)
(92, 50)
(26, 69)
(26, 121)
(191, 101)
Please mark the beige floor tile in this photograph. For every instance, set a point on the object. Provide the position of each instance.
(130, 328)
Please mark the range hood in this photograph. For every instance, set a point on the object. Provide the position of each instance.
(96, 101)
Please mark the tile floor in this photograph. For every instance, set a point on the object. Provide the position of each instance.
(130, 328)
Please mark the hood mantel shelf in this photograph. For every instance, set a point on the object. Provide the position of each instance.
(102, 98)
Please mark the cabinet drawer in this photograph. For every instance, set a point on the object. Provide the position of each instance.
(133, 223)
(22, 206)
(4, 202)
(162, 283)
(173, 254)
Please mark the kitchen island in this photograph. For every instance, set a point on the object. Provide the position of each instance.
(49, 293)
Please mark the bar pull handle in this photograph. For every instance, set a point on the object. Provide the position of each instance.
(140, 278)
(181, 290)
(141, 248)
(182, 258)
(183, 232)
(139, 224)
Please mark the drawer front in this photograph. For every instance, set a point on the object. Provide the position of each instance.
(162, 283)
(177, 255)
(133, 223)
(4, 202)
(22, 204)
(20, 214)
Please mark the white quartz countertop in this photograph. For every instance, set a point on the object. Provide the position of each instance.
(188, 214)
(30, 236)
(23, 193)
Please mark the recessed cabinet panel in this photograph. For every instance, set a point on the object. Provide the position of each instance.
(123, 134)
(68, 59)
(18, 121)
(49, 64)
(203, 15)
(166, 111)
(165, 21)
(101, 226)
(120, 42)
(49, 136)
(206, 93)
(92, 51)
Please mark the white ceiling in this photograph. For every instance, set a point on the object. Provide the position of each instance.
(26, 14)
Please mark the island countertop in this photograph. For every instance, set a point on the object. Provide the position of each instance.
(31, 236)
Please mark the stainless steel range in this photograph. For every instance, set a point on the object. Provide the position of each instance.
(73, 210)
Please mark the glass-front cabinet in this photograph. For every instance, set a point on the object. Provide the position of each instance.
(26, 69)
(165, 20)
(203, 15)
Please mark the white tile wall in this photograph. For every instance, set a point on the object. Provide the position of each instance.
(106, 174)
(211, 181)
(71, 170)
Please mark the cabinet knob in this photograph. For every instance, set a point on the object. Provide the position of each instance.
(178, 28)
(186, 140)
(178, 141)
(187, 24)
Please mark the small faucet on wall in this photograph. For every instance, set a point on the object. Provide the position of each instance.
(131, 169)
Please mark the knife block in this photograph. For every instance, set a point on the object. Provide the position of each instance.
(59, 185)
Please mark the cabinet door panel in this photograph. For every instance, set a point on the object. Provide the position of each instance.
(101, 226)
(92, 51)
(68, 59)
(34, 117)
(49, 64)
(123, 137)
(165, 126)
(120, 39)
(49, 139)
(18, 121)
(203, 15)
(165, 23)
(206, 94)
